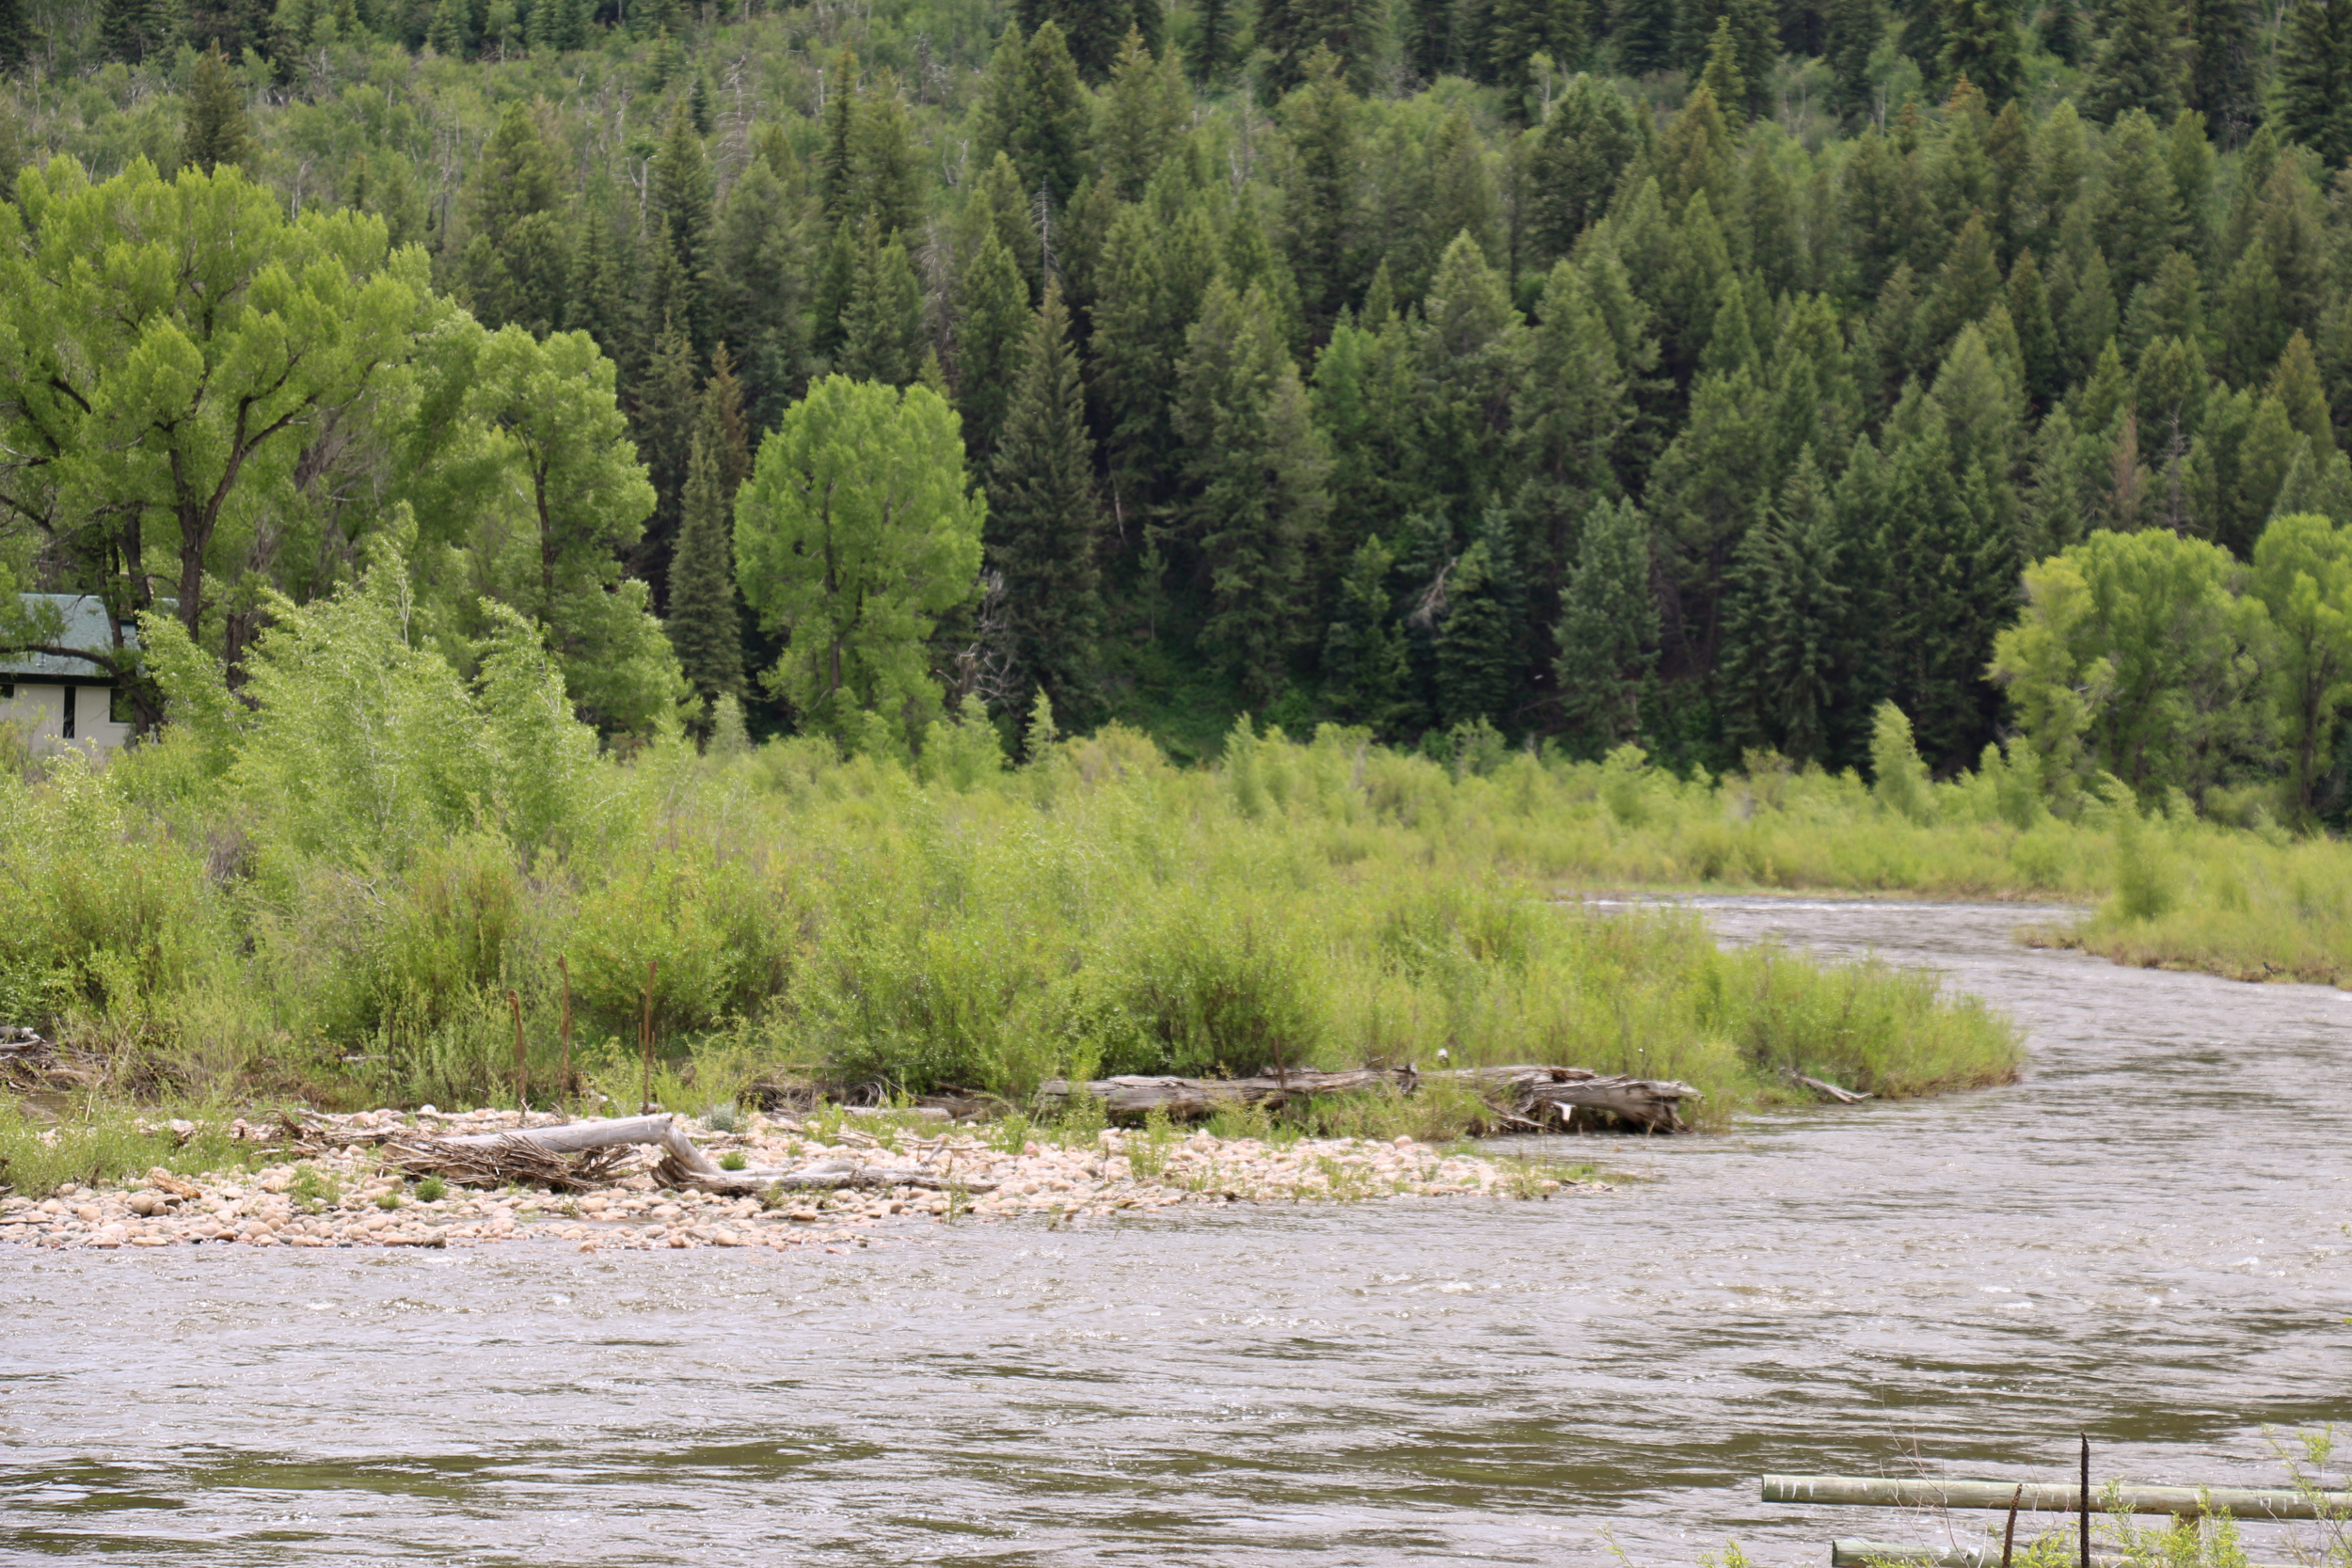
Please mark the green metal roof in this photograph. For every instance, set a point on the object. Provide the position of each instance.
(87, 626)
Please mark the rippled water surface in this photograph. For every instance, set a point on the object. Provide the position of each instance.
(2147, 1238)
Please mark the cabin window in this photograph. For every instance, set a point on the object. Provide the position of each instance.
(8, 690)
(66, 730)
(119, 709)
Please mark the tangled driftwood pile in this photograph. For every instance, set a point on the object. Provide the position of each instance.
(1540, 1098)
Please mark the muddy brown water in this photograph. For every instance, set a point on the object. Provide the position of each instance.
(2146, 1238)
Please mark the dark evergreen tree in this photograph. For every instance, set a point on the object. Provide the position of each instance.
(1290, 31)
(702, 621)
(1476, 652)
(1609, 629)
(1519, 30)
(216, 132)
(679, 198)
(1850, 30)
(1643, 32)
(758, 283)
(882, 331)
(668, 412)
(1428, 43)
(1366, 675)
(1325, 204)
(1052, 117)
(1786, 626)
(1044, 522)
(2141, 63)
(1256, 469)
(1145, 113)
(17, 38)
(515, 263)
(604, 293)
(1090, 29)
(1982, 43)
(1579, 156)
(2222, 84)
(1217, 25)
(2315, 78)
(2065, 33)
(992, 305)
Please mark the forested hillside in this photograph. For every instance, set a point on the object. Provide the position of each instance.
(1697, 375)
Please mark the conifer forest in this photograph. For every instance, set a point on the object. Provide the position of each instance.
(1701, 375)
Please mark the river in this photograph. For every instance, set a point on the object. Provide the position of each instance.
(2146, 1239)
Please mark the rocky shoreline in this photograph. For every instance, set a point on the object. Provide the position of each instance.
(347, 1197)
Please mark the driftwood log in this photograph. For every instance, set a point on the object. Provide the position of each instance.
(1542, 1097)
(538, 1154)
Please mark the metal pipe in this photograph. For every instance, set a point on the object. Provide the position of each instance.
(2234, 1502)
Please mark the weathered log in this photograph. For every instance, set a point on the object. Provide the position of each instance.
(2238, 1502)
(1823, 1086)
(827, 1176)
(1986, 1554)
(1535, 1090)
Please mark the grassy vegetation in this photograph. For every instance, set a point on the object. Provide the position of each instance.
(208, 931)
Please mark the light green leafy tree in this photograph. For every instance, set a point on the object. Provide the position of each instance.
(2136, 656)
(520, 463)
(172, 351)
(856, 531)
(2303, 577)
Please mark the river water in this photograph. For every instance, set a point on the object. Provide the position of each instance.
(2146, 1238)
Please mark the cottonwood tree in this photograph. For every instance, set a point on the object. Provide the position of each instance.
(178, 360)
(529, 493)
(856, 533)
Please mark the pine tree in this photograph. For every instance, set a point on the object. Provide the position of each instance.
(517, 258)
(2037, 338)
(681, 201)
(1257, 471)
(133, 31)
(2315, 78)
(1851, 31)
(215, 133)
(1981, 43)
(883, 334)
(1517, 32)
(758, 284)
(1292, 30)
(2141, 61)
(1213, 44)
(17, 38)
(1044, 521)
(451, 33)
(1580, 154)
(1364, 665)
(1145, 111)
(1644, 33)
(1089, 30)
(1326, 202)
(702, 622)
(1608, 628)
(1052, 116)
(2221, 70)
(602, 300)
(1784, 625)
(1475, 651)
(667, 415)
(991, 321)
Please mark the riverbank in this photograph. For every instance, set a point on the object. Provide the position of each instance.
(348, 1197)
